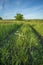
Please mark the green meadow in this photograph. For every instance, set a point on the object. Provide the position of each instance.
(21, 42)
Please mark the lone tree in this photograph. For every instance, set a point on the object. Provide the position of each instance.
(0, 18)
(19, 16)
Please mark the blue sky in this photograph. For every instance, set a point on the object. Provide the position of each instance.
(31, 9)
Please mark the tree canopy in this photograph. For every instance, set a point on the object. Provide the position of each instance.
(19, 16)
(0, 18)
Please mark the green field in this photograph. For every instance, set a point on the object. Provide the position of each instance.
(21, 42)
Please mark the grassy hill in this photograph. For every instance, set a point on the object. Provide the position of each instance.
(21, 42)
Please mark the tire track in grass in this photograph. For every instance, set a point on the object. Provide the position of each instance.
(10, 34)
(22, 45)
(38, 35)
